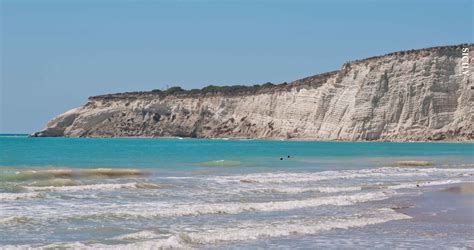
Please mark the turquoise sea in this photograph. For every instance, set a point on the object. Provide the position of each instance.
(193, 193)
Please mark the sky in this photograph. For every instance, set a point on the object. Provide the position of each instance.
(55, 54)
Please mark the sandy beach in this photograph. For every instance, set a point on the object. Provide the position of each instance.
(451, 205)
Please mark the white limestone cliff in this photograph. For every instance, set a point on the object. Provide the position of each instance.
(417, 95)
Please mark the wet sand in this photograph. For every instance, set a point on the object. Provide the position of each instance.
(449, 205)
(467, 188)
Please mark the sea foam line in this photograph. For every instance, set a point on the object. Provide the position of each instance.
(20, 196)
(423, 184)
(384, 172)
(242, 231)
(105, 186)
(37, 192)
(404, 185)
(149, 210)
(256, 230)
(235, 208)
(296, 190)
(100, 173)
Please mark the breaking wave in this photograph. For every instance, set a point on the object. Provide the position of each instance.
(237, 195)
(108, 186)
(26, 175)
(220, 163)
(244, 231)
(235, 208)
(403, 185)
(423, 184)
(414, 163)
(296, 190)
(385, 172)
(255, 230)
(20, 196)
(142, 235)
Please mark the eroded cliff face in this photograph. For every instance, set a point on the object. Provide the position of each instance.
(414, 95)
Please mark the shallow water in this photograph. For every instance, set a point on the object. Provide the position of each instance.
(142, 193)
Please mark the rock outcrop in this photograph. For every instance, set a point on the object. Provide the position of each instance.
(417, 95)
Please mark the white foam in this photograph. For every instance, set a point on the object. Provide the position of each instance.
(246, 231)
(178, 177)
(405, 185)
(142, 235)
(173, 242)
(19, 196)
(235, 208)
(296, 190)
(13, 220)
(384, 172)
(423, 184)
(107, 186)
(286, 228)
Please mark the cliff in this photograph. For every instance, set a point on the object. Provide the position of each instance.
(416, 95)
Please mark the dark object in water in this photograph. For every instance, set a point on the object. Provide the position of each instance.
(281, 158)
(417, 185)
(288, 156)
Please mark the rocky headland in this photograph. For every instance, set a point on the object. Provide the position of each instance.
(416, 95)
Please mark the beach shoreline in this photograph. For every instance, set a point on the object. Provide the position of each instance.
(307, 139)
(448, 205)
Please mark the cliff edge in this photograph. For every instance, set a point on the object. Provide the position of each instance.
(416, 95)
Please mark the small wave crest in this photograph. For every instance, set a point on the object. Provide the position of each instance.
(142, 235)
(384, 172)
(20, 196)
(249, 230)
(423, 184)
(414, 163)
(236, 208)
(220, 163)
(403, 185)
(15, 220)
(56, 182)
(296, 190)
(107, 186)
(27, 175)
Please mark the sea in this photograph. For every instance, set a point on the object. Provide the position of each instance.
(132, 193)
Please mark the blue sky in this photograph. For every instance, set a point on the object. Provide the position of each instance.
(54, 54)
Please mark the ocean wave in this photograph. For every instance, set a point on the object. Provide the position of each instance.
(9, 187)
(414, 163)
(311, 177)
(142, 235)
(243, 231)
(220, 163)
(56, 182)
(20, 196)
(423, 184)
(106, 186)
(322, 189)
(284, 177)
(246, 231)
(296, 190)
(15, 220)
(235, 208)
(26, 175)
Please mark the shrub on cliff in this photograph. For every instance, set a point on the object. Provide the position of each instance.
(174, 90)
(228, 89)
(233, 89)
(267, 85)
